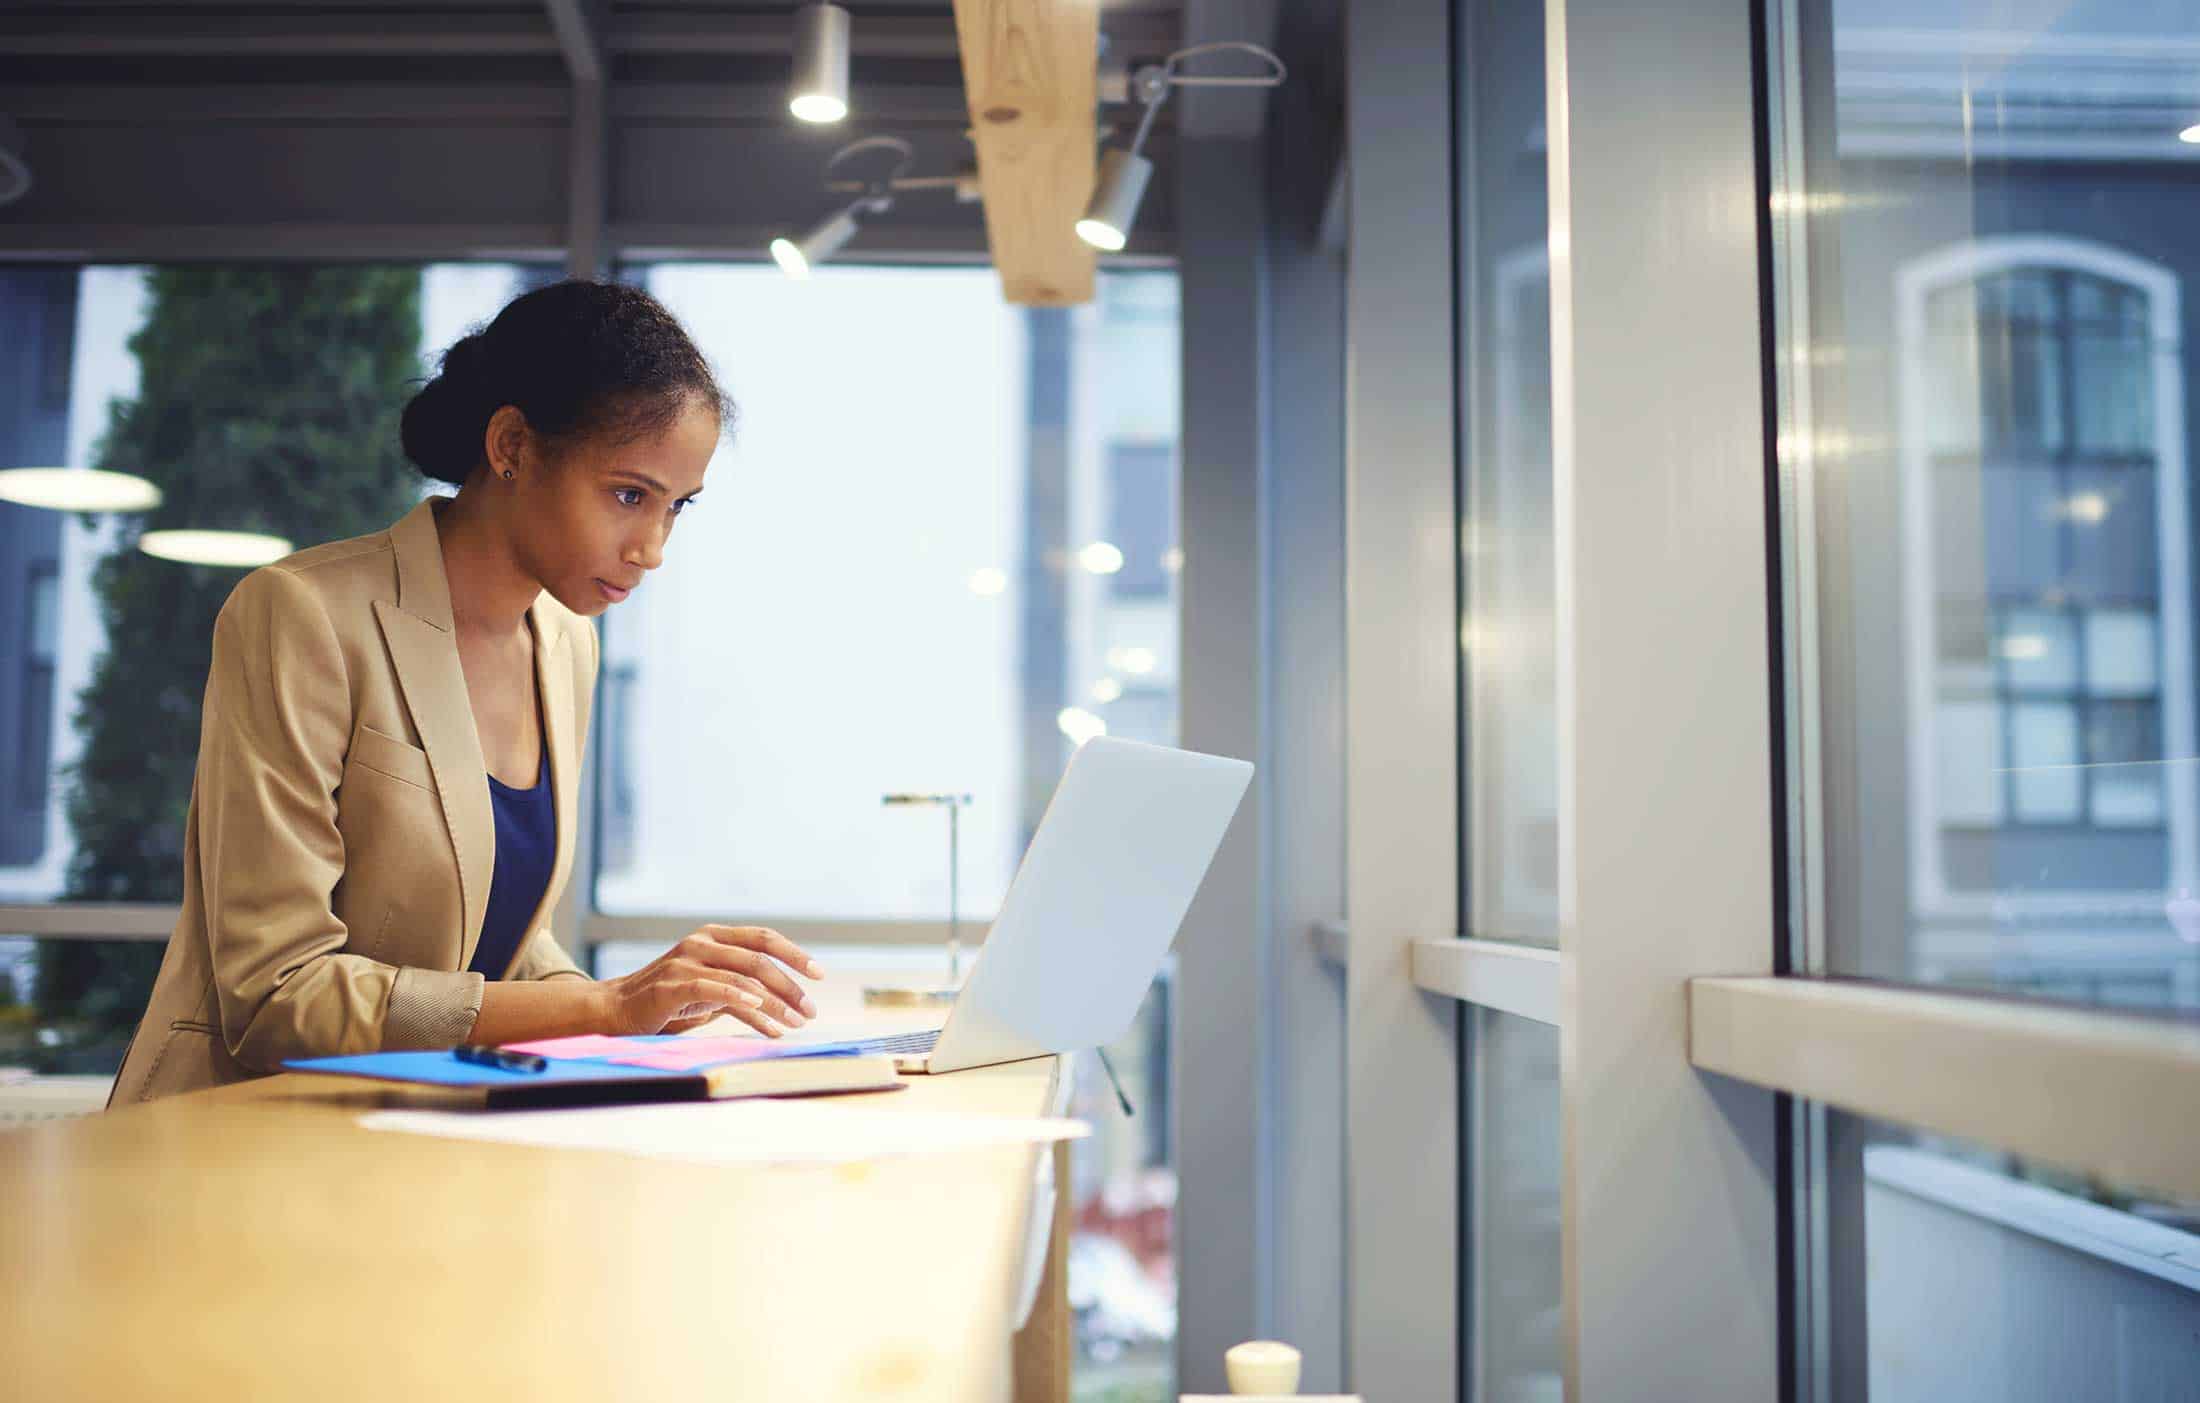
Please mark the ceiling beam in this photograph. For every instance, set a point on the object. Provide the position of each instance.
(415, 104)
(91, 35)
(576, 23)
(1029, 73)
(1142, 32)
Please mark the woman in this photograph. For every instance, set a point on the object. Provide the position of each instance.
(382, 816)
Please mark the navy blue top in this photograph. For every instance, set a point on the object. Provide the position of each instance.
(527, 844)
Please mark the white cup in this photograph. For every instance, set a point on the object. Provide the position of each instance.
(1262, 1366)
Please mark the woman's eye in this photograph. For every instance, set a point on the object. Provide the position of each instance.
(622, 492)
(679, 506)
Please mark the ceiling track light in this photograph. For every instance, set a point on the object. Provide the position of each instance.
(797, 256)
(819, 91)
(1124, 173)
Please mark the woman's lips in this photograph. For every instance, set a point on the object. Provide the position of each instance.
(611, 591)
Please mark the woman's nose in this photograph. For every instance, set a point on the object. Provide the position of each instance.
(649, 552)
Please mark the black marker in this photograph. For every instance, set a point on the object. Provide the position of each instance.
(499, 1058)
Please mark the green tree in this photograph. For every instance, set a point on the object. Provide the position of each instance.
(268, 401)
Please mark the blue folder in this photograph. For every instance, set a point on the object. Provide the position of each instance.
(566, 1081)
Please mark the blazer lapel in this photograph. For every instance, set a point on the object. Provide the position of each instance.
(424, 648)
(555, 684)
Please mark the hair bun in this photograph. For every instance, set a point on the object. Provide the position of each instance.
(465, 364)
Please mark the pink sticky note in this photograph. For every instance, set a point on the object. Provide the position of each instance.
(662, 1061)
(690, 1053)
(586, 1045)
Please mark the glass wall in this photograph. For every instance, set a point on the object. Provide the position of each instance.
(1966, 1278)
(1508, 641)
(256, 398)
(1984, 307)
(1513, 1305)
(938, 552)
(1508, 631)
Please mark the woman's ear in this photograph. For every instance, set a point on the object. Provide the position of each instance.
(505, 442)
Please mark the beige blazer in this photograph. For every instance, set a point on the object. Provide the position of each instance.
(340, 840)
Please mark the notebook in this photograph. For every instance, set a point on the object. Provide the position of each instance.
(605, 1071)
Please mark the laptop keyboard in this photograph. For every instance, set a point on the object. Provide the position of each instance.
(900, 1043)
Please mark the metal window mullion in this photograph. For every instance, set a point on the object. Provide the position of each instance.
(1661, 512)
(1401, 1139)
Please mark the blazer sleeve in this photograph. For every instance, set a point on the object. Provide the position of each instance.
(272, 742)
(542, 957)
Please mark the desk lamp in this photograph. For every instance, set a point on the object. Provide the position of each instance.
(879, 996)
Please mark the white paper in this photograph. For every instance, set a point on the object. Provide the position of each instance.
(735, 1132)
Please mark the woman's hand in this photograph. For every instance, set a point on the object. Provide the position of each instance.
(741, 970)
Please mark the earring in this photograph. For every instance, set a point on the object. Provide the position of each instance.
(507, 474)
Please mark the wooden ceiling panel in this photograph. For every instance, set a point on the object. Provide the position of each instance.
(1029, 70)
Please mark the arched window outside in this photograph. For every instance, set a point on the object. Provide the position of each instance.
(2047, 585)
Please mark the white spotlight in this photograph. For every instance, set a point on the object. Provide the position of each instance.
(1100, 558)
(238, 549)
(988, 581)
(1115, 196)
(2190, 135)
(796, 257)
(820, 89)
(77, 490)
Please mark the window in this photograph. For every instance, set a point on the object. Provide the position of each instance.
(2000, 526)
(35, 710)
(98, 742)
(1508, 719)
(1985, 458)
(2054, 558)
(937, 550)
(1977, 1277)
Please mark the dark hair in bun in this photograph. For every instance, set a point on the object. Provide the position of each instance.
(579, 359)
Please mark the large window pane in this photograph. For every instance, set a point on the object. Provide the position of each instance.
(1508, 724)
(258, 398)
(1508, 571)
(1984, 297)
(1513, 1210)
(1965, 1276)
(905, 575)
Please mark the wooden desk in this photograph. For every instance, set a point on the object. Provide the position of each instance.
(253, 1242)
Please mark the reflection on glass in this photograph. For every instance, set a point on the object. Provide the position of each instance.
(1513, 1228)
(929, 558)
(1984, 398)
(1975, 1278)
(1122, 1247)
(1508, 625)
(1509, 699)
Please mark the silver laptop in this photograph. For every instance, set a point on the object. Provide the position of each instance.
(1119, 853)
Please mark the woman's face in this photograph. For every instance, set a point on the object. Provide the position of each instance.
(598, 519)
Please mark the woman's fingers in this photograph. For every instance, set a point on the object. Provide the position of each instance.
(705, 994)
(708, 947)
(773, 1005)
(769, 942)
